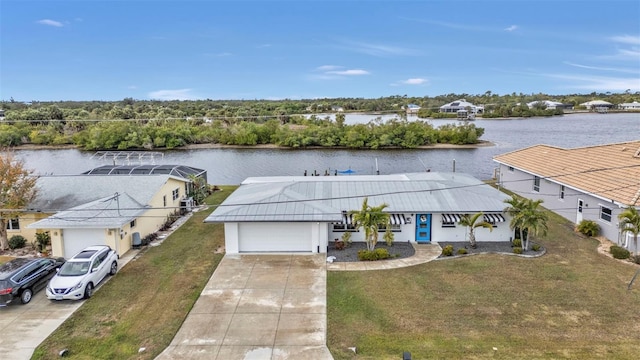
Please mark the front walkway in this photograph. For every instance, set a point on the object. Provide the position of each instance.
(258, 307)
(424, 253)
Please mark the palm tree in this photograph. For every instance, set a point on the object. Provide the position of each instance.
(515, 211)
(630, 223)
(534, 220)
(370, 218)
(471, 221)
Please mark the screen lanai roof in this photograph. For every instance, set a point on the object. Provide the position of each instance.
(176, 170)
(325, 198)
(611, 172)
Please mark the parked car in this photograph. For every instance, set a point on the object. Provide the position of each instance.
(22, 277)
(79, 276)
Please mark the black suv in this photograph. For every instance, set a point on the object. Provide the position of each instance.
(22, 277)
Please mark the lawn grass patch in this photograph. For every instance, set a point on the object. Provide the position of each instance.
(145, 304)
(568, 304)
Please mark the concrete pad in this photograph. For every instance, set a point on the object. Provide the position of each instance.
(303, 301)
(218, 301)
(300, 352)
(195, 352)
(263, 279)
(203, 330)
(252, 330)
(301, 330)
(245, 353)
(260, 301)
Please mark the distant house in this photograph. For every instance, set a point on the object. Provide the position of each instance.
(1, 114)
(597, 105)
(629, 106)
(305, 213)
(412, 109)
(546, 104)
(591, 183)
(462, 104)
(105, 206)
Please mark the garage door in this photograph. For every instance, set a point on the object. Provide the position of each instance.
(77, 239)
(274, 237)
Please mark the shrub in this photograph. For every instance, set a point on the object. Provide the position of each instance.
(388, 237)
(588, 228)
(377, 254)
(339, 244)
(619, 252)
(17, 242)
(635, 259)
(462, 251)
(517, 250)
(346, 238)
(43, 239)
(535, 247)
(516, 243)
(447, 250)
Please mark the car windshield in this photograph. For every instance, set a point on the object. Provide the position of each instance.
(74, 268)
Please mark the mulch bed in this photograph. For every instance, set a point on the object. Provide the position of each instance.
(498, 247)
(398, 250)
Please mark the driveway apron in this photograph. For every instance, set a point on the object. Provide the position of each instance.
(258, 307)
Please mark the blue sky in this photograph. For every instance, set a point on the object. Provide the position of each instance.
(109, 50)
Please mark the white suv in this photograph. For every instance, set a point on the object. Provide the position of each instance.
(77, 278)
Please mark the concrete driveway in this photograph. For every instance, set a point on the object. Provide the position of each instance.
(24, 327)
(258, 307)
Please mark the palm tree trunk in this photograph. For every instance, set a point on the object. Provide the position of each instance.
(472, 239)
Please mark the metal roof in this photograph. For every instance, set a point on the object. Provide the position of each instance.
(325, 198)
(57, 193)
(107, 213)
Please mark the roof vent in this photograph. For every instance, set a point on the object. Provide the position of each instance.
(637, 154)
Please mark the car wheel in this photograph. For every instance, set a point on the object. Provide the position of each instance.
(88, 291)
(26, 296)
(114, 268)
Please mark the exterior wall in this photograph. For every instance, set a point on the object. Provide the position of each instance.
(231, 241)
(57, 247)
(521, 183)
(25, 220)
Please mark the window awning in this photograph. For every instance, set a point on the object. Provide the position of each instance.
(394, 219)
(451, 218)
(493, 218)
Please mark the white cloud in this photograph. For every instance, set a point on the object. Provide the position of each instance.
(599, 83)
(414, 81)
(263, 46)
(627, 39)
(50, 22)
(180, 94)
(511, 28)
(132, 87)
(602, 68)
(352, 72)
(328, 68)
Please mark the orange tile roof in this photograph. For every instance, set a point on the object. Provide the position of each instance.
(610, 171)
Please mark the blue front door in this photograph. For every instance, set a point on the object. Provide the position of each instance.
(423, 228)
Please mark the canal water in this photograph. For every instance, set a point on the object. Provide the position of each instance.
(231, 166)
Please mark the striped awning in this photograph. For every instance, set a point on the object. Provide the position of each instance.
(394, 219)
(451, 218)
(493, 218)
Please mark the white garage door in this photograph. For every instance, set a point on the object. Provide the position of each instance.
(77, 239)
(274, 237)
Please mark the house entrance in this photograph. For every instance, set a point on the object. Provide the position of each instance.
(423, 228)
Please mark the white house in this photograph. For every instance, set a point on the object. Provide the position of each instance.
(597, 104)
(548, 104)
(630, 106)
(462, 104)
(305, 213)
(591, 183)
(412, 109)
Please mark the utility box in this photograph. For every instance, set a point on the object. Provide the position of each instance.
(136, 242)
(406, 355)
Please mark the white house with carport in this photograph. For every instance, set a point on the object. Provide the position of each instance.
(588, 183)
(597, 104)
(305, 213)
(105, 209)
(547, 104)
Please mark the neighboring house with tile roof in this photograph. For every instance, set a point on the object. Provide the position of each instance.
(83, 210)
(305, 213)
(590, 183)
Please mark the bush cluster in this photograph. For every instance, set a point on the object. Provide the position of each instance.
(17, 242)
(588, 228)
(516, 243)
(619, 252)
(535, 247)
(377, 254)
(462, 251)
(517, 250)
(447, 250)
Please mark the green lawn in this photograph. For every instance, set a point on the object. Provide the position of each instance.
(571, 303)
(145, 304)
